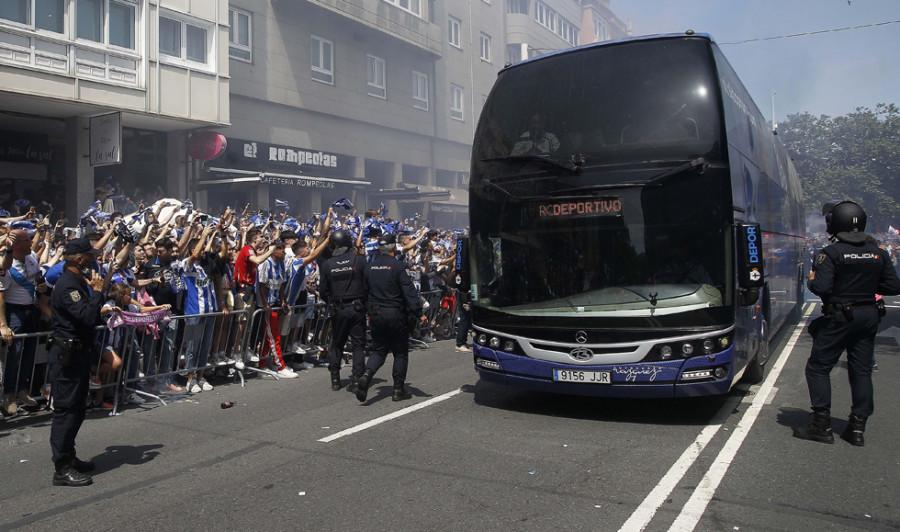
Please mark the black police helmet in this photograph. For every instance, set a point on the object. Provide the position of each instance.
(844, 217)
(340, 239)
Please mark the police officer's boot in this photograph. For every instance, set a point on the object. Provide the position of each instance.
(67, 475)
(335, 381)
(819, 430)
(853, 434)
(354, 381)
(400, 392)
(362, 386)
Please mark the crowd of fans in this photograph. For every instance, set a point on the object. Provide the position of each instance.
(181, 268)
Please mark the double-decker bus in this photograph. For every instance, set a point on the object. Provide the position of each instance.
(637, 229)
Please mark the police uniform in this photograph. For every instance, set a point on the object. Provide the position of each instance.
(393, 303)
(847, 275)
(75, 314)
(343, 288)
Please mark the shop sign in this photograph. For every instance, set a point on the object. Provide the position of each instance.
(264, 155)
(20, 148)
(298, 181)
(106, 139)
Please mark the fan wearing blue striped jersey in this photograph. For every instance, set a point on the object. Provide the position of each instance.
(297, 270)
(270, 295)
(199, 298)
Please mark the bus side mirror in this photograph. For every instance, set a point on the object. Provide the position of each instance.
(748, 296)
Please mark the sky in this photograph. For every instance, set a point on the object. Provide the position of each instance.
(829, 73)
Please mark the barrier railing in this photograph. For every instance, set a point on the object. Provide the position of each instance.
(136, 360)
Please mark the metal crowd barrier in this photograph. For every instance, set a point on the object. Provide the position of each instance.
(149, 357)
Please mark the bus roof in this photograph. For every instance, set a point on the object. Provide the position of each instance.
(654, 37)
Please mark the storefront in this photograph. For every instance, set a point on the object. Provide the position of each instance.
(258, 173)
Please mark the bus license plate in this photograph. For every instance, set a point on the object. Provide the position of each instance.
(587, 377)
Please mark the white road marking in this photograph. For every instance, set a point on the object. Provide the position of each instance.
(644, 513)
(388, 417)
(696, 506)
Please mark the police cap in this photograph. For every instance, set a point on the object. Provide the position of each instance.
(76, 246)
(387, 240)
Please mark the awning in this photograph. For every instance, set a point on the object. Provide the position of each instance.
(235, 175)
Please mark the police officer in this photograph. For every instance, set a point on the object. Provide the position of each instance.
(393, 306)
(846, 275)
(75, 304)
(343, 288)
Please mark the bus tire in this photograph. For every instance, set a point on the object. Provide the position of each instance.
(756, 368)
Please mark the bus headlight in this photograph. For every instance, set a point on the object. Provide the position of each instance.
(665, 352)
(687, 349)
(482, 339)
(495, 342)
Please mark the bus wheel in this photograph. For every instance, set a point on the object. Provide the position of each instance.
(756, 368)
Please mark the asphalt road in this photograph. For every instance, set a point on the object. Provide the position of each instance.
(465, 455)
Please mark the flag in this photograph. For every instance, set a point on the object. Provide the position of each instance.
(282, 204)
(21, 204)
(343, 202)
(4, 213)
(382, 210)
(187, 204)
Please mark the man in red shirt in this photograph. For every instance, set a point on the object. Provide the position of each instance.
(245, 266)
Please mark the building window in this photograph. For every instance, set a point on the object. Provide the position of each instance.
(91, 20)
(420, 90)
(413, 6)
(568, 32)
(485, 47)
(375, 76)
(513, 53)
(453, 32)
(185, 42)
(545, 16)
(239, 45)
(519, 7)
(456, 102)
(43, 14)
(601, 29)
(322, 52)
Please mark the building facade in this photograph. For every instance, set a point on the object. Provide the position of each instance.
(157, 70)
(373, 100)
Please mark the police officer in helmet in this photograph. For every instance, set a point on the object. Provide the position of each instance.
(846, 275)
(393, 306)
(343, 288)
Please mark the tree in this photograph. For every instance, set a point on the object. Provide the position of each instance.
(855, 157)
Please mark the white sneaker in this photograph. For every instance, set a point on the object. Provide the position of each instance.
(220, 359)
(239, 364)
(254, 357)
(462, 348)
(205, 386)
(133, 399)
(193, 387)
(229, 359)
(287, 373)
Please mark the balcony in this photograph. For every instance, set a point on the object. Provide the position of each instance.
(390, 19)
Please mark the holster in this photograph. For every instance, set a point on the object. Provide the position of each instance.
(68, 348)
(882, 311)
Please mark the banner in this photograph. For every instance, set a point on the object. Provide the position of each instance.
(137, 318)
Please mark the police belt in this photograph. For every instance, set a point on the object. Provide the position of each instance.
(831, 308)
(67, 344)
(339, 304)
(375, 309)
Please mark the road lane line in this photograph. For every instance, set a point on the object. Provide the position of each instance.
(388, 417)
(693, 511)
(658, 496)
(644, 513)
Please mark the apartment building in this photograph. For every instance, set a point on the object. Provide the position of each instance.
(97, 91)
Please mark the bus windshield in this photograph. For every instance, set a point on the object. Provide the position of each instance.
(607, 105)
(627, 252)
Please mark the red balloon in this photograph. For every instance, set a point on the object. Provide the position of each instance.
(206, 145)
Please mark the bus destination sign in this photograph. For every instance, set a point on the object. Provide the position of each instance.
(587, 208)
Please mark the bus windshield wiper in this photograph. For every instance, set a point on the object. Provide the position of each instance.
(573, 166)
(695, 163)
